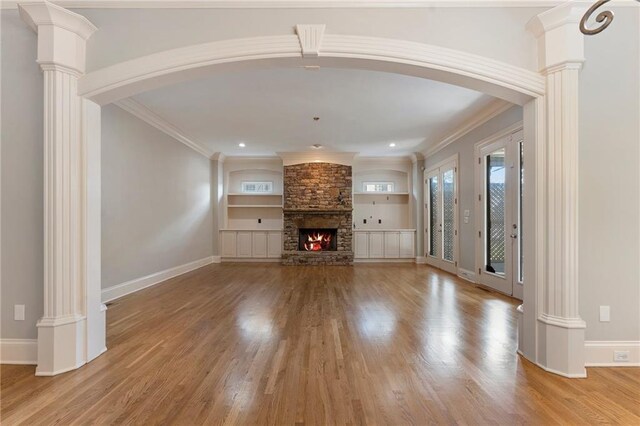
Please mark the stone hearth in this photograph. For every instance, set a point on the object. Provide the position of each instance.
(317, 196)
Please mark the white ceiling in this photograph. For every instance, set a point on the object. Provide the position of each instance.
(272, 111)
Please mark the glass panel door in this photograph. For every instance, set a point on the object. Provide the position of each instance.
(434, 231)
(441, 216)
(495, 225)
(448, 214)
(500, 186)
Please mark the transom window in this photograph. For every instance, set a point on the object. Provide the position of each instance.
(378, 187)
(258, 187)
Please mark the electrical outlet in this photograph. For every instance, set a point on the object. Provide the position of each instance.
(621, 356)
(18, 312)
(380, 221)
(259, 220)
(605, 313)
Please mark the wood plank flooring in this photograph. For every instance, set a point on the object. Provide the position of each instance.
(266, 344)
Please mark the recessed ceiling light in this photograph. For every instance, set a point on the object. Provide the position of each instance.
(392, 144)
(316, 146)
(242, 145)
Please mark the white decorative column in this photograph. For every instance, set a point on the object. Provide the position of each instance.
(417, 177)
(69, 191)
(217, 202)
(561, 54)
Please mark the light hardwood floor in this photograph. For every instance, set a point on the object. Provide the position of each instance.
(266, 344)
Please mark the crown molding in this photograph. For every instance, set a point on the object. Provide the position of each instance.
(301, 4)
(36, 13)
(494, 109)
(285, 4)
(291, 158)
(145, 114)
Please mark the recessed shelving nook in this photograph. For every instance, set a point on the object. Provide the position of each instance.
(253, 199)
(382, 194)
(384, 228)
(251, 228)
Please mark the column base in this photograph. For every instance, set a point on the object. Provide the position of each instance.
(561, 346)
(61, 345)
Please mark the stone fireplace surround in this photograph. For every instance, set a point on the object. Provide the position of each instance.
(318, 195)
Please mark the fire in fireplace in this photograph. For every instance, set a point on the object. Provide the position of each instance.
(318, 240)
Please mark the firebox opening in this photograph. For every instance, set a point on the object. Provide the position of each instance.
(318, 239)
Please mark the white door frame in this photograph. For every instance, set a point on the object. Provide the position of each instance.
(504, 284)
(437, 169)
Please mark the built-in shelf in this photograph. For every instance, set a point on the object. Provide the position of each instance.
(380, 193)
(244, 194)
(260, 206)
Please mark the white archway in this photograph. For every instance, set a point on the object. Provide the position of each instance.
(551, 332)
(150, 72)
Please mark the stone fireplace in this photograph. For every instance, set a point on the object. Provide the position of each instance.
(317, 214)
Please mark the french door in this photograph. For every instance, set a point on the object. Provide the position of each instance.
(441, 216)
(499, 184)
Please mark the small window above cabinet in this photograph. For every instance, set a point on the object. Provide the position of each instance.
(378, 186)
(257, 187)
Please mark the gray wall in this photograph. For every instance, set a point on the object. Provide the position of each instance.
(22, 237)
(466, 169)
(156, 211)
(609, 259)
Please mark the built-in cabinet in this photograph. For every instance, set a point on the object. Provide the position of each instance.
(238, 244)
(384, 244)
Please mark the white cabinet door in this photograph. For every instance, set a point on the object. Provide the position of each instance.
(392, 245)
(274, 244)
(228, 243)
(407, 244)
(361, 245)
(376, 245)
(259, 248)
(244, 243)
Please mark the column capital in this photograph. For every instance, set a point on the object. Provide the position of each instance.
(560, 42)
(62, 34)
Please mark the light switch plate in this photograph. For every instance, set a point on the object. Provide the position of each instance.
(605, 314)
(18, 312)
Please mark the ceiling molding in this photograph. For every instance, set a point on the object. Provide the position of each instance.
(298, 4)
(494, 109)
(145, 114)
(286, 4)
(291, 158)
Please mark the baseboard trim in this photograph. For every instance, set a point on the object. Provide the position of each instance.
(467, 275)
(401, 260)
(120, 290)
(421, 260)
(251, 260)
(600, 353)
(216, 259)
(19, 351)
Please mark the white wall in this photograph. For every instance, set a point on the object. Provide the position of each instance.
(464, 147)
(21, 180)
(126, 34)
(609, 161)
(156, 211)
